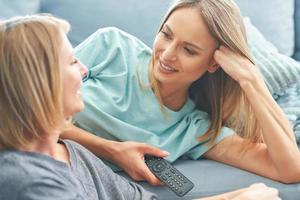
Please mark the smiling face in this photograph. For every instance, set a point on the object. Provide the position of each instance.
(72, 72)
(183, 49)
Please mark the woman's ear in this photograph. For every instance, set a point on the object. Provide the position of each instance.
(213, 68)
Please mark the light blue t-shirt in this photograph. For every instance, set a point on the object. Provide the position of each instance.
(120, 105)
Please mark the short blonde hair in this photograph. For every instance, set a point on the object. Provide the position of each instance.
(31, 101)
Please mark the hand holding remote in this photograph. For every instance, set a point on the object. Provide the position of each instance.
(168, 174)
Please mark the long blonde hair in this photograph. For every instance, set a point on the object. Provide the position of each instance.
(218, 94)
(30, 78)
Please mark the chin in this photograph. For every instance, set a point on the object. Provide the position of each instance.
(75, 109)
(79, 108)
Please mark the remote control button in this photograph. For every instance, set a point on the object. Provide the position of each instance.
(159, 166)
(164, 177)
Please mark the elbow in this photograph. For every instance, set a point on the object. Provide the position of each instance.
(290, 175)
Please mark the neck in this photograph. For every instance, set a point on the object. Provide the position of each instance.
(173, 97)
(48, 145)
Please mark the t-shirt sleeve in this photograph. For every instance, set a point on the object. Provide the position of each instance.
(47, 189)
(201, 123)
(106, 49)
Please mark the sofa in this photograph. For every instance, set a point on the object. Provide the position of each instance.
(272, 24)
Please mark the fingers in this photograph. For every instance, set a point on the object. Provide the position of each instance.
(148, 149)
(150, 177)
(135, 164)
(143, 173)
(260, 191)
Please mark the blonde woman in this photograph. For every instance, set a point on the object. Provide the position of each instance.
(39, 82)
(197, 94)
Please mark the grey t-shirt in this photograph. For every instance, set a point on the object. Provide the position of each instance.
(34, 176)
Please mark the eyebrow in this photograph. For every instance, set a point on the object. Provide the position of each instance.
(187, 43)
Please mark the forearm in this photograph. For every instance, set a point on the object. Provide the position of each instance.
(277, 132)
(225, 196)
(99, 146)
(267, 111)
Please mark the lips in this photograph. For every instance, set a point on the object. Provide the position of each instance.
(166, 68)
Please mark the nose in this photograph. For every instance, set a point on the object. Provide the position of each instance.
(169, 53)
(83, 69)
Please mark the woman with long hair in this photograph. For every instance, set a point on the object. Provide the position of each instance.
(197, 94)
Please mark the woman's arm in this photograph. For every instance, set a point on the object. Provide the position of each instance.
(127, 155)
(256, 191)
(278, 157)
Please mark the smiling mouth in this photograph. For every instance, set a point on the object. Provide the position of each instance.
(166, 68)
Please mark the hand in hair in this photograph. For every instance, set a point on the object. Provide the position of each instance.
(236, 66)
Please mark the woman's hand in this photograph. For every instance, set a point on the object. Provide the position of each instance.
(130, 157)
(236, 66)
(258, 191)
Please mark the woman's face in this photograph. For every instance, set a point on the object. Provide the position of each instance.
(183, 49)
(72, 72)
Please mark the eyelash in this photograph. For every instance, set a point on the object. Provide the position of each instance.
(189, 51)
(168, 37)
(75, 61)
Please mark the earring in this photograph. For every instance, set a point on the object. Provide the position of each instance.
(213, 69)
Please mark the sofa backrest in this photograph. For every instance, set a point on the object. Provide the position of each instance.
(140, 18)
(274, 18)
(297, 29)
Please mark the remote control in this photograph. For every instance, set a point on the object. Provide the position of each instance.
(168, 174)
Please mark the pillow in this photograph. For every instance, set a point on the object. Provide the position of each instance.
(297, 28)
(290, 104)
(279, 71)
(281, 74)
(275, 20)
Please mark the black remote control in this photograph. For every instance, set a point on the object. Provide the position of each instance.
(168, 174)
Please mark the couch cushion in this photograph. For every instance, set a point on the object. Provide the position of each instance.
(297, 28)
(140, 18)
(275, 19)
(18, 7)
(279, 71)
(290, 104)
(212, 178)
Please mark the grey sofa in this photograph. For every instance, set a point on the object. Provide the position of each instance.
(278, 20)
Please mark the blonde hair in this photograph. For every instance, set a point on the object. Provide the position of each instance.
(30, 78)
(218, 94)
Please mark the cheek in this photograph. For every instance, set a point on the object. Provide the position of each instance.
(72, 82)
(195, 68)
(157, 44)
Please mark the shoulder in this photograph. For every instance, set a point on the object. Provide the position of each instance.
(29, 176)
(112, 37)
(79, 153)
(113, 34)
(44, 188)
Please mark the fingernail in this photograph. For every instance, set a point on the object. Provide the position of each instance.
(166, 153)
